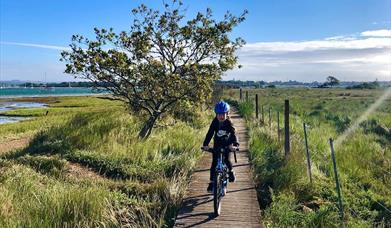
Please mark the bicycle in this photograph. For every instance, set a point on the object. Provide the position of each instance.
(220, 179)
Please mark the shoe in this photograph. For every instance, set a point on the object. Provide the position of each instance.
(210, 187)
(231, 176)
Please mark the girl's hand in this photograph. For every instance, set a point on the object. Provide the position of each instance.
(232, 147)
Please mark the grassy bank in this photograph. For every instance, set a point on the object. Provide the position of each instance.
(85, 166)
(363, 159)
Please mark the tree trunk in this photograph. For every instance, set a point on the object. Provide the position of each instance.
(146, 131)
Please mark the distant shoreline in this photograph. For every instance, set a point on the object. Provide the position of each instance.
(49, 92)
(53, 95)
(11, 97)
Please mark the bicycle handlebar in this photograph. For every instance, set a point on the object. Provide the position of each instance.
(211, 149)
(234, 150)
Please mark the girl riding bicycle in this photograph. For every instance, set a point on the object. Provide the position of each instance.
(224, 137)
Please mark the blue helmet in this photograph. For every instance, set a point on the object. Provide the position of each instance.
(221, 107)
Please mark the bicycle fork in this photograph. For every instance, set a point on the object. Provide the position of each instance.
(220, 168)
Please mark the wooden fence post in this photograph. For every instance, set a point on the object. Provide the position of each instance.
(336, 179)
(241, 94)
(246, 96)
(256, 106)
(270, 118)
(307, 152)
(263, 115)
(286, 126)
(278, 126)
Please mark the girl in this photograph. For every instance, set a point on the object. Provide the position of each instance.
(224, 137)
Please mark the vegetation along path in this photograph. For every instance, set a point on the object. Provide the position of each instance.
(240, 206)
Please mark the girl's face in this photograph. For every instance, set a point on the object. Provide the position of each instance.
(222, 116)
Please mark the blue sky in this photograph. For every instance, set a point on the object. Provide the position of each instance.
(303, 40)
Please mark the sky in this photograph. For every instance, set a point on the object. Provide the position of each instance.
(304, 40)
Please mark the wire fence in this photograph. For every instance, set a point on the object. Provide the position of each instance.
(264, 113)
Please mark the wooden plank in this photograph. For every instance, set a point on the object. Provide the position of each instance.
(240, 206)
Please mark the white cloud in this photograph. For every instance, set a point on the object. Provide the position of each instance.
(378, 33)
(318, 45)
(37, 45)
(354, 57)
(381, 23)
(362, 57)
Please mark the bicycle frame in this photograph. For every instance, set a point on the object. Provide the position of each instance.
(221, 168)
(220, 180)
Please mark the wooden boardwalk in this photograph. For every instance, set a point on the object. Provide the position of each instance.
(240, 206)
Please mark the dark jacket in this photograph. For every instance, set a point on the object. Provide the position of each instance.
(224, 134)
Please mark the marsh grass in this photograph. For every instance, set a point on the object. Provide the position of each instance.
(142, 181)
(35, 200)
(364, 160)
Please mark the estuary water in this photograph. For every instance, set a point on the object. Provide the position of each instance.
(44, 92)
(6, 106)
(6, 93)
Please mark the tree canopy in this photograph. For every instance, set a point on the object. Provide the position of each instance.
(330, 82)
(161, 61)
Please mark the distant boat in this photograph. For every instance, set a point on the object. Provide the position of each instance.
(45, 86)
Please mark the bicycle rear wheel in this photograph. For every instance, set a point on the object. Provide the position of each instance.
(217, 185)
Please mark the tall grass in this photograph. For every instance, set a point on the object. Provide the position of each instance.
(284, 192)
(33, 200)
(141, 182)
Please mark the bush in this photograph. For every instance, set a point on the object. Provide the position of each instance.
(341, 123)
(246, 109)
(365, 85)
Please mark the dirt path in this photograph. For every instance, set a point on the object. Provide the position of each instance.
(74, 169)
(240, 206)
(78, 171)
(14, 144)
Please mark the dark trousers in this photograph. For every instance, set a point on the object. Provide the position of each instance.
(227, 161)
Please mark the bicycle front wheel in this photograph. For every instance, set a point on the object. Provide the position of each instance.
(217, 186)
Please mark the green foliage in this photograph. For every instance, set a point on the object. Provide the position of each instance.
(128, 182)
(363, 160)
(374, 126)
(32, 200)
(161, 61)
(246, 109)
(270, 86)
(267, 160)
(330, 82)
(232, 102)
(365, 85)
(341, 123)
(46, 165)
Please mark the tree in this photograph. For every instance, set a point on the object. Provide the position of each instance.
(365, 85)
(332, 81)
(160, 62)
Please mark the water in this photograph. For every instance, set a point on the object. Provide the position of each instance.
(6, 106)
(45, 92)
(36, 92)
(11, 119)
